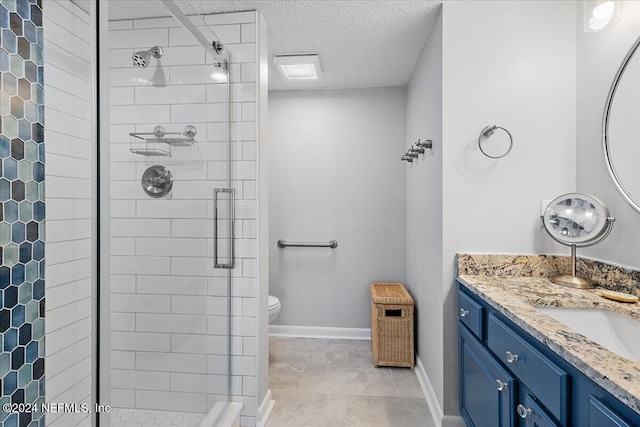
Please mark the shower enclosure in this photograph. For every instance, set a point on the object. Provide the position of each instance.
(170, 206)
(146, 113)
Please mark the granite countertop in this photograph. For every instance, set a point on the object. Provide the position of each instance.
(515, 297)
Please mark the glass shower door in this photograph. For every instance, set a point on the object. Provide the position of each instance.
(171, 221)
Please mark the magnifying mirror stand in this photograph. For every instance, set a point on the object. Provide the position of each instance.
(576, 220)
(571, 280)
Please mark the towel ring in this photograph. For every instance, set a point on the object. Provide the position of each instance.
(487, 132)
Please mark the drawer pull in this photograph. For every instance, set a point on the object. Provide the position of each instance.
(511, 357)
(501, 385)
(463, 312)
(523, 411)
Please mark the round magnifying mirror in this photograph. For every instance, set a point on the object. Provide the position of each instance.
(576, 220)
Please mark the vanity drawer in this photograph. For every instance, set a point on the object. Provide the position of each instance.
(471, 314)
(544, 378)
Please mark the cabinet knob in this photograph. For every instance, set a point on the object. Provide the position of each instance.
(501, 385)
(511, 357)
(463, 312)
(523, 411)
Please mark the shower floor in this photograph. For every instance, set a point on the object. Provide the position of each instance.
(121, 417)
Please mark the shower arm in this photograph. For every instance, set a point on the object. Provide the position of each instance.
(212, 47)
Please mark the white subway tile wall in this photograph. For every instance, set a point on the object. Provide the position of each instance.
(168, 303)
(69, 149)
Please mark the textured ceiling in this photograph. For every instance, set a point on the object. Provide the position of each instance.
(360, 43)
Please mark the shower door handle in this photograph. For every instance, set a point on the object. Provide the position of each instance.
(232, 220)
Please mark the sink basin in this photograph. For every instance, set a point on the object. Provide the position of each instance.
(615, 332)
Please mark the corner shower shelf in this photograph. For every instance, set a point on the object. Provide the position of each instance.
(159, 136)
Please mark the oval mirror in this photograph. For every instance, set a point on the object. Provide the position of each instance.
(621, 128)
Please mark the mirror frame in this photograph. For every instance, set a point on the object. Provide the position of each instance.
(605, 129)
(600, 231)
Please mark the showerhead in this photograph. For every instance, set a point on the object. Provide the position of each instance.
(141, 59)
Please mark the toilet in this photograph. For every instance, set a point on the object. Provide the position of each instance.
(274, 308)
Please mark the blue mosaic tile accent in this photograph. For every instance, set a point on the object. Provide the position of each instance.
(22, 210)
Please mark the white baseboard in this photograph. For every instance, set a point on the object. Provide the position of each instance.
(265, 410)
(429, 393)
(320, 332)
(437, 413)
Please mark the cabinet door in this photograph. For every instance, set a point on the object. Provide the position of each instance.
(534, 415)
(487, 391)
(601, 415)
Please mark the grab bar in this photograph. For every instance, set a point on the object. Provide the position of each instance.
(283, 244)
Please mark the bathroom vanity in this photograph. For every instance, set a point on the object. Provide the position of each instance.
(520, 367)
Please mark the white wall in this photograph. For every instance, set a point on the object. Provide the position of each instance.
(599, 56)
(168, 304)
(68, 54)
(517, 70)
(424, 205)
(335, 173)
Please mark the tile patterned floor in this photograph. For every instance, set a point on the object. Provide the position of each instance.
(333, 383)
(148, 418)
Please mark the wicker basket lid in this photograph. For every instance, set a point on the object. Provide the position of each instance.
(390, 293)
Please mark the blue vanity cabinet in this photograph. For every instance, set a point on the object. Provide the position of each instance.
(487, 390)
(544, 390)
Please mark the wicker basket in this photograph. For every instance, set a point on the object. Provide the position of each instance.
(392, 325)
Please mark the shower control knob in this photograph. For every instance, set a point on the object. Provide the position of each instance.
(157, 181)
